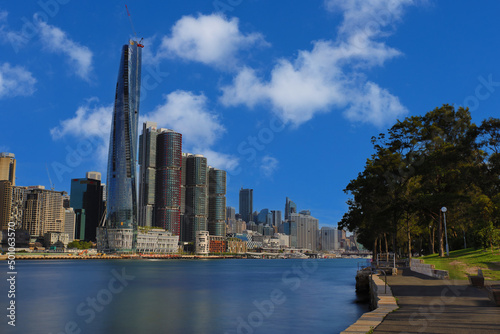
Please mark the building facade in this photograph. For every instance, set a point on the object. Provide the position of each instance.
(217, 202)
(5, 203)
(44, 211)
(147, 174)
(86, 199)
(290, 207)
(328, 239)
(305, 229)
(246, 204)
(168, 181)
(196, 195)
(8, 167)
(121, 183)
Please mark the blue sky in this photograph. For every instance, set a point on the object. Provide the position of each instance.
(285, 96)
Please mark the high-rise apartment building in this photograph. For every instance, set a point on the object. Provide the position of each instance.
(246, 204)
(18, 203)
(168, 181)
(120, 233)
(87, 201)
(8, 168)
(328, 239)
(44, 211)
(196, 195)
(290, 207)
(217, 202)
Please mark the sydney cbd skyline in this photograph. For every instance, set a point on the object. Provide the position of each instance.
(286, 104)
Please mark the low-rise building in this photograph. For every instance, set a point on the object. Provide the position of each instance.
(236, 246)
(56, 239)
(217, 244)
(202, 242)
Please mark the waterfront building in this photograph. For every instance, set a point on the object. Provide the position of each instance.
(56, 239)
(8, 167)
(157, 241)
(86, 199)
(121, 195)
(168, 181)
(328, 239)
(5, 203)
(217, 202)
(290, 207)
(246, 204)
(196, 195)
(217, 244)
(236, 246)
(44, 211)
(202, 242)
(69, 223)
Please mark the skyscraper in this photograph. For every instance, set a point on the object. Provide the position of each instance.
(276, 217)
(8, 168)
(246, 204)
(196, 195)
(121, 183)
(44, 211)
(87, 201)
(217, 202)
(290, 207)
(168, 181)
(5, 203)
(147, 173)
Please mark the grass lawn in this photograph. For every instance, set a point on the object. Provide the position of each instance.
(468, 261)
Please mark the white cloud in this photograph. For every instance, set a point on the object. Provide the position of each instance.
(188, 114)
(89, 122)
(15, 81)
(331, 74)
(55, 40)
(268, 165)
(184, 112)
(209, 39)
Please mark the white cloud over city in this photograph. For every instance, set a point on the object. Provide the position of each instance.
(15, 81)
(330, 75)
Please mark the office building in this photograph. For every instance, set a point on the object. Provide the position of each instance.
(290, 207)
(69, 223)
(246, 205)
(276, 217)
(147, 174)
(86, 199)
(121, 177)
(217, 202)
(8, 168)
(264, 217)
(328, 239)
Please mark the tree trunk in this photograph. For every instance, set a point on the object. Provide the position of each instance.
(431, 240)
(440, 237)
(375, 250)
(409, 238)
(386, 248)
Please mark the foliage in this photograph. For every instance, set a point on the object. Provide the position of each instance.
(424, 163)
(79, 245)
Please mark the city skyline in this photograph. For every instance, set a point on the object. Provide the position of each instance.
(229, 98)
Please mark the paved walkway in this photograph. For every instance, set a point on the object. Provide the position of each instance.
(429, 305)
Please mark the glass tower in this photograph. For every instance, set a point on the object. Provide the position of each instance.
(246, 204)
(121, 178)
(217, 202)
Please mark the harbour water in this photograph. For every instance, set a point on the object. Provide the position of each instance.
(183, 296)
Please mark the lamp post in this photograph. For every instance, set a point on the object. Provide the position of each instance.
(443, 210)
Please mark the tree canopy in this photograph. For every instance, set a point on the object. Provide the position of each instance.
(424, 163)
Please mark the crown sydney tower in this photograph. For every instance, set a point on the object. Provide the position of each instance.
(120, 233)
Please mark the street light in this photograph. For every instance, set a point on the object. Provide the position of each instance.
(443, 210)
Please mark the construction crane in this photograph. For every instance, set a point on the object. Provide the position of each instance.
(133, 30)
(50, 180)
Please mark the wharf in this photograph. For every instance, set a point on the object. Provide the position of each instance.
(430, 305)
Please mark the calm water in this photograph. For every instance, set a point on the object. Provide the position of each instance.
(183, 296)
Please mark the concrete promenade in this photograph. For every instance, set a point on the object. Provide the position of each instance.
(430, 305)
